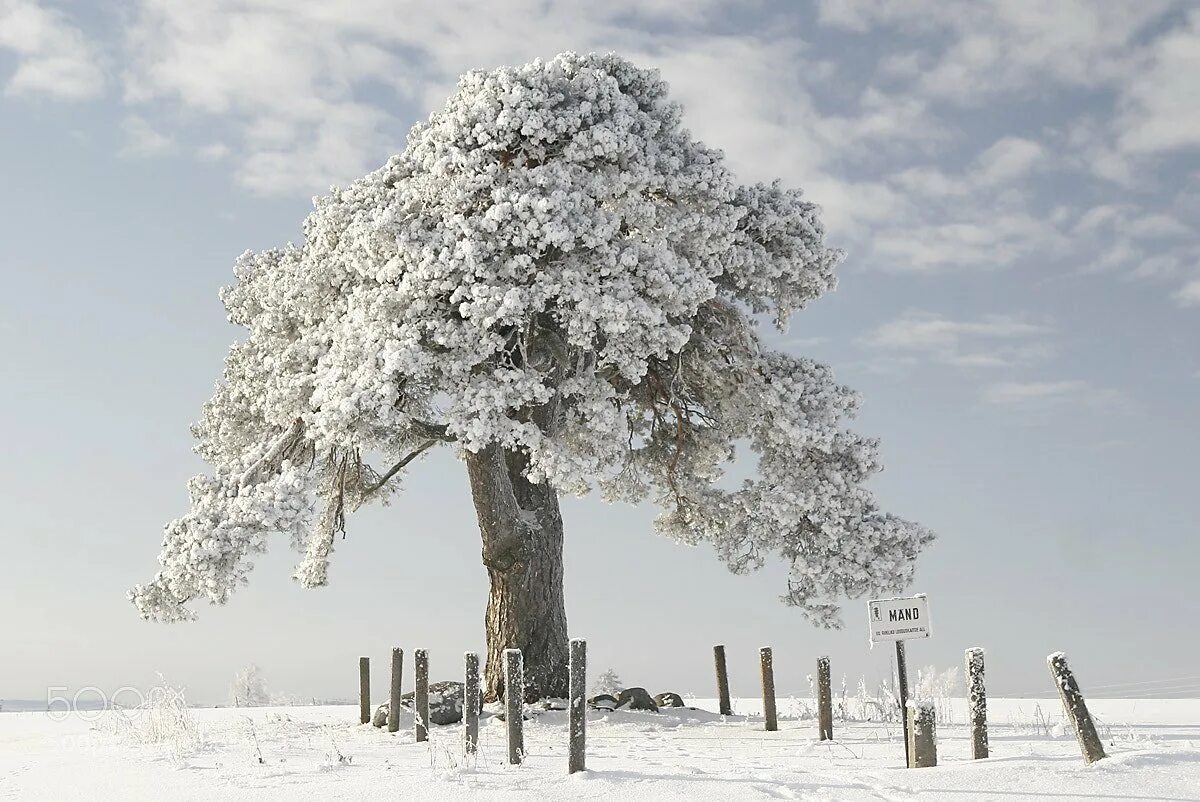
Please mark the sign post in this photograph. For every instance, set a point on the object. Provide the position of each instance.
(899, 620)
(902, 686)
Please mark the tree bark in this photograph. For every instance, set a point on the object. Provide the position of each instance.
(522, 532)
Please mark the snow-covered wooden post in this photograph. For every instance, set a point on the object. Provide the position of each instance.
(514, 704)
(722, 681)
(578, 712)
(824, 700)
(1076, 707)
(977, 703)
(471, 703)
(421, 695)
(922, 736)
(768, 688)
(393, 718)
(364, 690)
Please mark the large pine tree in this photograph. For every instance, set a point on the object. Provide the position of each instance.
(555, 280)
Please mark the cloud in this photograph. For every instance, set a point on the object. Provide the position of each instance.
(980, 50)
(214, 152)
(316, 94)
(142, 140)
(1189, 294)
(1162, 101)
(1008, 159)
(992, 341)
(1031, 395)
(53, 56)
(918, 148)
(315, 97)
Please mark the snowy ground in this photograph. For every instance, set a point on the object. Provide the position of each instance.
(684, 754)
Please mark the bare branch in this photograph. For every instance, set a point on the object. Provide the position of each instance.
(428, 444)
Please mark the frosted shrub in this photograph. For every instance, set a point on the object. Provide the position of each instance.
(939, 688)
(881, 705)
(164, 719)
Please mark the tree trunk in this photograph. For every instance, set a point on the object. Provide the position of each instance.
(522, 535)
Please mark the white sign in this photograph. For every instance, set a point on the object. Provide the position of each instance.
(898, 619)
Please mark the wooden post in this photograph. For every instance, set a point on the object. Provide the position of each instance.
(421, 695)
(768, 688)
(902, 686)
(514, 704)
(922, 747)
(578, 712)
(364, 690)
(393, 719)
(1076, 708)
(722, 681)
(977, 703)
(471, 703)
(824, 700)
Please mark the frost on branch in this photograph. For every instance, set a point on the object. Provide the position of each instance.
(553, 265)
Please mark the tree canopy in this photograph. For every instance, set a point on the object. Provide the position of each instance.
(553, 265)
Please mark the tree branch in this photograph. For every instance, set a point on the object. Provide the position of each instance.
(428, 444)
(285, 442)
(434, 431)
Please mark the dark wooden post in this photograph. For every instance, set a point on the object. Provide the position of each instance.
(393, 719)
(578, 713)
(421, 695)
(364, 690)
(902, 686)
(977, 703)
(922, 747)
(824, 700)
(722, 681)
(768, 688)
(1076, 707)
(514, 704)
(471, 703)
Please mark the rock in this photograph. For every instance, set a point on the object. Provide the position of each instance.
(668, 699)
(603, 701)
(445, 704)
(553, 704)
(637, 699)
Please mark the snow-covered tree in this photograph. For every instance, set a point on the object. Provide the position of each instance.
(608, 682)
(249, 688)
(558, 282)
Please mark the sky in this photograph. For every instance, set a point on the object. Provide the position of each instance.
(1017, 185)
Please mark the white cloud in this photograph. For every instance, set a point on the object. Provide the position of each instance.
(315, 94)
(1189, 294)
(974, 237)
(142, 140)
(1040, 395)
(302, 95)
(991, 341)
(53, 56)
(214, 152)
(1008, 45)
(1162, 101)
(1026, 392)
(1008, 159)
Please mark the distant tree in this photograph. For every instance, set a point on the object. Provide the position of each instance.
(555, 280)
(249, 688)
(609, 683)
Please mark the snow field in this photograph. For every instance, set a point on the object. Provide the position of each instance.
(323, 753)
